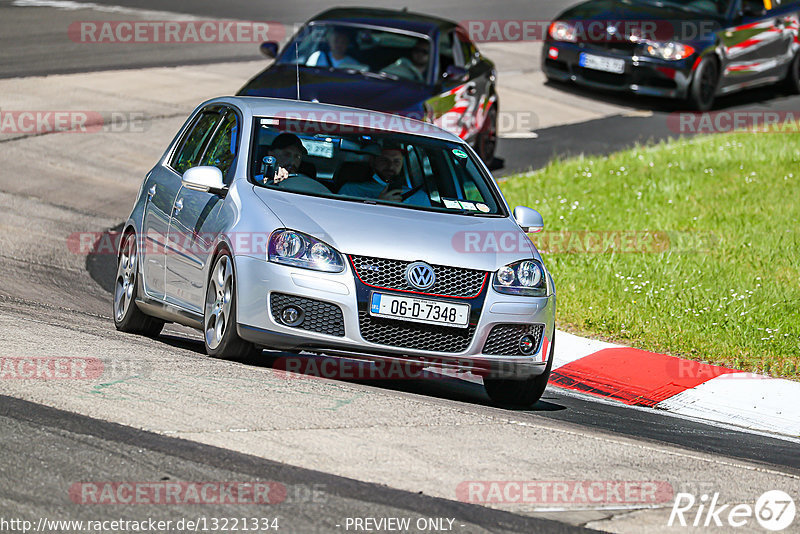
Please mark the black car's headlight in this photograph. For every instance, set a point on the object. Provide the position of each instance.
(563, 31)
(671, 51)
(526, 277)
(300, 250)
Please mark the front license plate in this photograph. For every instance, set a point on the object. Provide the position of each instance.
(606, 64)
(419, 310)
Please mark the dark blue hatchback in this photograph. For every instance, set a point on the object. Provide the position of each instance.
(392, 61)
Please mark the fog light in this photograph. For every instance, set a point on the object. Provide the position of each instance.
(291, 316)
(553, 52)
(526, 344)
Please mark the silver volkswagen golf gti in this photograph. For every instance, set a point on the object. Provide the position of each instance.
(319, 229)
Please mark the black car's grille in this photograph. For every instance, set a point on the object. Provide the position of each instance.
(607, 78)
(504, 339)
(390, 274)
(317, 316)
(414, 335)
(615, 46)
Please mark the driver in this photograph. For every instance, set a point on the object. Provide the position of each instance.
(387, 182)
(288, 151)
(414, 68)
(338, 43)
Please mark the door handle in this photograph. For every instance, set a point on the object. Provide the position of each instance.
(151, 193)
(178, 206)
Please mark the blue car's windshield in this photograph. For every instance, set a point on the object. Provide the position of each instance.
(357, 162)
(384, 53)
(712, 7)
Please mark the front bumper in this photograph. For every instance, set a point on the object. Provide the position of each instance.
(260, 282)
(643, 75)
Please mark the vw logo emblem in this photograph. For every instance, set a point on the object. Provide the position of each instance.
(420, 275)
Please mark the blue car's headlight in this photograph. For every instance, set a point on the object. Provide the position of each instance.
(300, 250)
(526, 277)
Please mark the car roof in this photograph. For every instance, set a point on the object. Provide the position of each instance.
(388, 18)
(356, 117)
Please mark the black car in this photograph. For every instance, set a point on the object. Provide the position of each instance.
(685, 49)
(392, 61)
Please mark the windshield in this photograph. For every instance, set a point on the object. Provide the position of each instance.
(367, 165)
(384, 53)
(714, 7)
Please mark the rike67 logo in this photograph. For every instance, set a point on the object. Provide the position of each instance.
(775, 511)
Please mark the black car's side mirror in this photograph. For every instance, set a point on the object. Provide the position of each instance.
(269, 49)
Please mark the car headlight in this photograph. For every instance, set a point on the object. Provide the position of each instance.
(563, 31)
(526, 277)
(671, 51)
(300, 250)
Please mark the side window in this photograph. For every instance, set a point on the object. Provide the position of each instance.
(191, 149)
(468, 50)
(446, 52)
(221, 151)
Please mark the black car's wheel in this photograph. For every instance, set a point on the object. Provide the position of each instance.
(520, 393)
(792, 81)
(127, 316)
(704, 85)
(486, 142)
(219, 318)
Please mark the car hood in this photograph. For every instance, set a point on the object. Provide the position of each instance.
(339, 87)
(402, 233)
(682, 25)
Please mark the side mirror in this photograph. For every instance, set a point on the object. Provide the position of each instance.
(204, 178)
(530, 220)
(269, 49)
(455, 73)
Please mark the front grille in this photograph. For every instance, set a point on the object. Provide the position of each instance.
(414, 335)
(318, 316)
(615, 46)
(390, 274)
(504, 339)
(599, 76)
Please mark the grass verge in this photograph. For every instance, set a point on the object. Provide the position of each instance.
(689, 247)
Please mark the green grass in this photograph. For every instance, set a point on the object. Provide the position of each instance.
(726, 287)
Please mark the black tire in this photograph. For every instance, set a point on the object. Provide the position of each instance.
(127, 315)
(703, 89)
(520, 393)
(219, 314)
(486, 142)
(792, 81)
